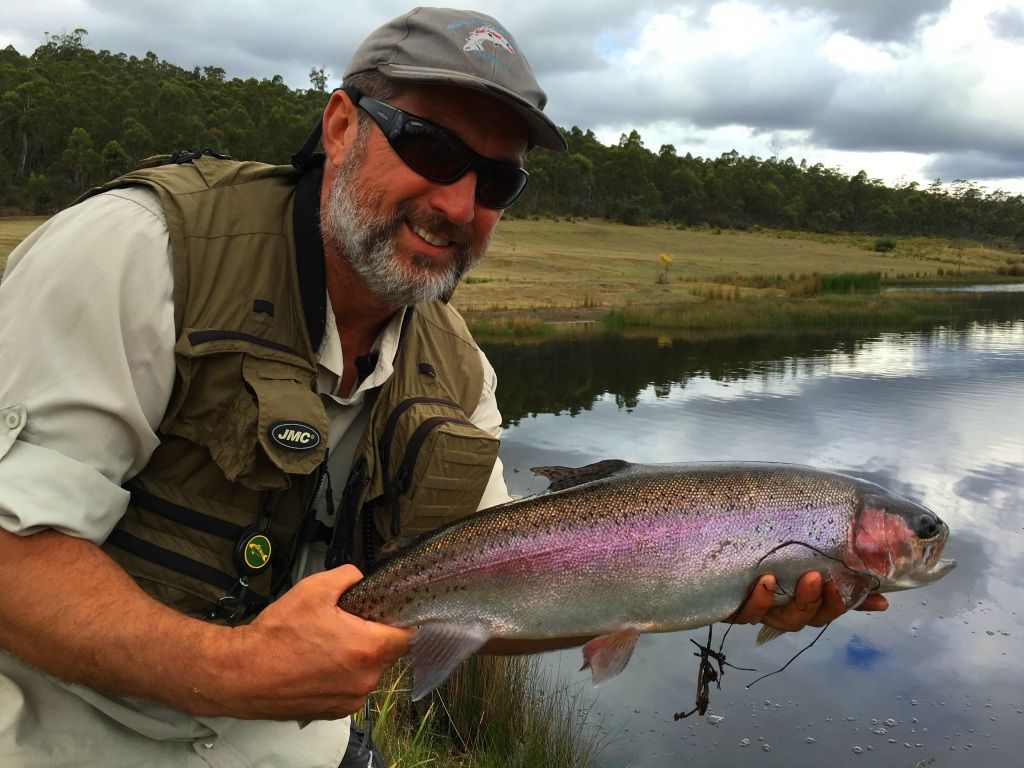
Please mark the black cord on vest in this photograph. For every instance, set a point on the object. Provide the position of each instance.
(309, 255)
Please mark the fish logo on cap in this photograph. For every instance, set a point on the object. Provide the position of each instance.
(475, 42)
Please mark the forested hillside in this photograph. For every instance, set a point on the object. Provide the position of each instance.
(71, 117)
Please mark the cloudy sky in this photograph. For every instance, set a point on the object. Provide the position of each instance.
(907, 90)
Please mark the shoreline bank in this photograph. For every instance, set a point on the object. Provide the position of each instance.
(756, 314)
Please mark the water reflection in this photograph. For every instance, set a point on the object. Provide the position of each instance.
(935, 415)
(979, 288)
(862, 653)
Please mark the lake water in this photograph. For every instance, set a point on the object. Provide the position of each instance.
(937, 415)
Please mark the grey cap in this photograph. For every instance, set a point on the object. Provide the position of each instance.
(464, 48)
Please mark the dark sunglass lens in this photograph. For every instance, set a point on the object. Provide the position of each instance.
(498, 186)
(431, 151)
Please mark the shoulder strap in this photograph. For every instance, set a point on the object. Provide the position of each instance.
(309, 254)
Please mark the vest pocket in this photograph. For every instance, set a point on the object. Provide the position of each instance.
(435, 466)
(445, 475)
(251, 404)
(292, 423)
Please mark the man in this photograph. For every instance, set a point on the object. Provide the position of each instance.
(181, 349)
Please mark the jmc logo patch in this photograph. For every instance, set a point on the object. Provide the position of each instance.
(294, 435)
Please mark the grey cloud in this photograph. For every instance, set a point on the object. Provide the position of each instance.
(876, 20)
(264, 41)
(772, 89)
(881, 20)
(787, 85)
(260, 41)
(920, 123)
(560, 38)
(1007, 23)
(552, 54)
(920, 112)
(767, 94)
(245, 46)
(975, 164)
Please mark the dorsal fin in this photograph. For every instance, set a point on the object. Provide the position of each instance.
(569, 477)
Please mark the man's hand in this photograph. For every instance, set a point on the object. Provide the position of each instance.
(304, 658)
(812, 604)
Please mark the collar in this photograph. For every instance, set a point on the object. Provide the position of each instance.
(385, 350)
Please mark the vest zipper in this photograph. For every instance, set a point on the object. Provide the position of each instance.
(309, 513)
(403, 477)
(392, 423)
(345, 526)
(197, 338)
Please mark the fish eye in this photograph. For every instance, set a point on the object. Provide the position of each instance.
(927, 526)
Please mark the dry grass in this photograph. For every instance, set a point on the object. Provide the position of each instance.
(594, 263)
(12, 231)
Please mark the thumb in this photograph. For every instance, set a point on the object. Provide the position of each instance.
(338, 580)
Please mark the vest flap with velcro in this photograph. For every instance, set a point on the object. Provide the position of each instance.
(449, 474)
(293, 424)
(248, 388)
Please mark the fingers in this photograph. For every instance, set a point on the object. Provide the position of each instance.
(815, 603)
(759, 601)
(382, 644)
(802, 609)
(874, 603)
(393, 642)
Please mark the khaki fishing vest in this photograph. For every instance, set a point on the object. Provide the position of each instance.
(218, 514)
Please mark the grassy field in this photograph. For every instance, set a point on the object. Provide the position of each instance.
(593, 264)
(12, 231)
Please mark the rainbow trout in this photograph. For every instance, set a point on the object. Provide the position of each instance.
(614, 549)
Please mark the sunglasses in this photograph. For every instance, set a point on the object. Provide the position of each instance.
(439, 155)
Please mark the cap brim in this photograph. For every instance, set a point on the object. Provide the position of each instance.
(543, 132)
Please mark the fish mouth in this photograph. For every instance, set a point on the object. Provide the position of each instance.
(932, 567)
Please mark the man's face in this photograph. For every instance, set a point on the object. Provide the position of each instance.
(409, 238)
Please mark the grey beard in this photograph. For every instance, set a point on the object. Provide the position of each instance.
(367, 242)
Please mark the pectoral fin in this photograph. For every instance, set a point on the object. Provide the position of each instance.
(767, 634)
(607, 655)
(853, 587)
(437, 649)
